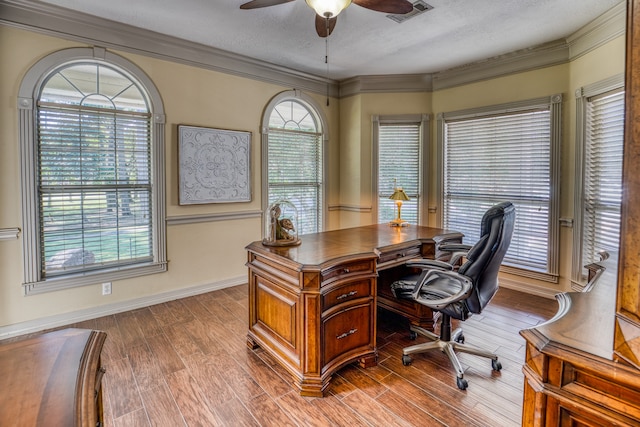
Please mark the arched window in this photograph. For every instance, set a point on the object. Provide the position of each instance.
(293, 158)
(92, 136)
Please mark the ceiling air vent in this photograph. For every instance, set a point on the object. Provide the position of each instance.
(419, 7)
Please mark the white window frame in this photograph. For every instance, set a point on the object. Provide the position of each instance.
(28, 95)
(554, 105)
(423, 120)
(582, 96)
(321, 121)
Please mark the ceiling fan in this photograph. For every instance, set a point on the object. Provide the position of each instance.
(327, 10)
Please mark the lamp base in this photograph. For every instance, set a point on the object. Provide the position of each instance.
(398, 223)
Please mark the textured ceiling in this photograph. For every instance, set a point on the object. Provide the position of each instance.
(364, 42)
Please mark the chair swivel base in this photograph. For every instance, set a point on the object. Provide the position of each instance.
(456, 344)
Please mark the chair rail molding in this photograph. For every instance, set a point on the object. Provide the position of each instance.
(9, 233)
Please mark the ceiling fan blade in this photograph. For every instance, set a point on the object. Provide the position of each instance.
(255, 4)
(387, 6)
(325, 26)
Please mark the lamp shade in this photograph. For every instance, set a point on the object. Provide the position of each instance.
(328, 8)
(399, 194)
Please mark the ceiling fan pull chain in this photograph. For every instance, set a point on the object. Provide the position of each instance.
(326, 56)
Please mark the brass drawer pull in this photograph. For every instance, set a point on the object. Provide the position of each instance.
(346, 270)
(401, 255)
(346, 334)
(347, 295)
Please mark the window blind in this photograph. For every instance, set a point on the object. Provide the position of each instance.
(398, 159)
(602, 174)
(496, 158)
(94, 188)
(295, 174)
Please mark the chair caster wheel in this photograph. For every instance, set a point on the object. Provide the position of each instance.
(406, 360)
(412, 335)
(496, 365)
(460, 339)
(462, 383)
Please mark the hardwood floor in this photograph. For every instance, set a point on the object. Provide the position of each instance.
(186, 362)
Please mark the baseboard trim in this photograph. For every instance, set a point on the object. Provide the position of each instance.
(58, 320)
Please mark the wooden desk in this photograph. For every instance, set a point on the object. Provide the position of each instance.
(571, 377)
(313, 306)
(52, 380)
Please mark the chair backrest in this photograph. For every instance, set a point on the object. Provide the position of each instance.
(484, 258)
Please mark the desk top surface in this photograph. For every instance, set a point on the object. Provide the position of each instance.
(319, 248)
(585, 320)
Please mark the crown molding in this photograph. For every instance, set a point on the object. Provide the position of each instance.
(545, 55)
(601, 30)
(64, 23)
(386, 83)
(76, 26)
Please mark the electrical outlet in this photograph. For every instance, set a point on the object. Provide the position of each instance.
(106, 288)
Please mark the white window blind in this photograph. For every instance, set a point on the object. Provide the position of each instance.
(295, 163)
(94, 189)
(602, 185)
(503, 157)
(398, 160)
(94, 172)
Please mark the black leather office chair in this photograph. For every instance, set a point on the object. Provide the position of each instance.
(460, 292)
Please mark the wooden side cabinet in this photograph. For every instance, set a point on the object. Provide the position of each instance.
(53, 379)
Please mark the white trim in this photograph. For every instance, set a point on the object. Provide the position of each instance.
(53, 20)
(28, 93)
(351, 208)
(321, 120)
(9, 233)
(63, 319)
(554, 104)
(212, 217)
(581, 96)
(424, 147)
(81, 27)
(601, 30)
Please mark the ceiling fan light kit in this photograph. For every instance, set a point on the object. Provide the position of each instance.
(328, 8)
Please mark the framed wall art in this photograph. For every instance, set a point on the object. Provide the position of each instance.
(214, 165)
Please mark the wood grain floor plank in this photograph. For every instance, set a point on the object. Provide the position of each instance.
(132, 419)
(147, 322)
(234, 413)
(145, 367)
(372, 411)
(338, 413)
(210, 379)
(161, 407)
(267, 412)
(181, 340)
(403, 407)
(164, 352)
(302, 410)
(190, 397)
(188, 364)
(119, 379)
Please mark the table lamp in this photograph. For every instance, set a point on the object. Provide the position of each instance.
(399, 196)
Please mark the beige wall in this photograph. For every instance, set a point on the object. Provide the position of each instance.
(213, 252)
(603, 62)
(199, 254)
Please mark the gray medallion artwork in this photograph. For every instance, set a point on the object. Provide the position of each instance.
(215, 165)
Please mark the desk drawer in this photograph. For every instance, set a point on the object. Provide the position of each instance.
(347, 292)
(399, 255)
(354, 267)
(347, 330)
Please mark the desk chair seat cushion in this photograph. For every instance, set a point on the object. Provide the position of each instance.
(435, 288)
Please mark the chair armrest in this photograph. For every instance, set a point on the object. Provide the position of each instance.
(466, 287)
(430, 264)
(452, 247)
